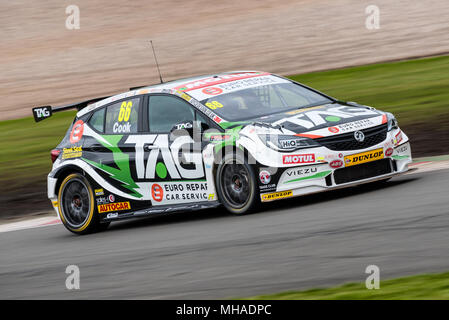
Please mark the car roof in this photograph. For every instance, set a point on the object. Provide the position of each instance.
(179, 82)
(170, 87)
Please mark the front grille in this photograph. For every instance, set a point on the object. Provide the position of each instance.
(363, 171)
(346, 141)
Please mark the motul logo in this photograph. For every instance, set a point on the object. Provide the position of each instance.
(298, 158)
(113, 207)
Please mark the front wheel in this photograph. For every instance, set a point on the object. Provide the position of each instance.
(76, 205)
(236, 185)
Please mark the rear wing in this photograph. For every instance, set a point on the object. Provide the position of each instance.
(44, 112)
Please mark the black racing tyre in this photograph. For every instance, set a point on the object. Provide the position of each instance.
(236, 185)
(76, 205)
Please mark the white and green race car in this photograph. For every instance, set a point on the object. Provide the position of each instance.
(235, 139)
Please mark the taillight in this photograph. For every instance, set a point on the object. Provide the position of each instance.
(54, 154)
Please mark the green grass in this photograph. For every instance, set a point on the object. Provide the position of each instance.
(25, 148)
(421, 287)
(415, 90)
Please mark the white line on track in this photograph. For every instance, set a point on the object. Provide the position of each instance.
(30, 223)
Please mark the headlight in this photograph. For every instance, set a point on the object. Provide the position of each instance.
(287, 143)
(392, 122)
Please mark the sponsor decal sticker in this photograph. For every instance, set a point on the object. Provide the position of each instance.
(398, 138)
(111, 198)
(297, 172)
(289, 143)
(217, 119)
(265, 177)
(268, 187)
(41, 113)
(219, 137)
(402, 152)
(276, 195)
(77, 132)
(184, 96)
(122, 125)
(213, 81)
(364, 157)
(102, 200)
(99, 192)
(157, 192)
(73, 152)
(212, 90)
(402, 149)
(298, 158)
(304, 173)
(389, 152)
(185, 191)
(314, 118)
(114, 207)
(219, 87)
(112, 215)
(187, 125)
(355, 125)
(336, 164)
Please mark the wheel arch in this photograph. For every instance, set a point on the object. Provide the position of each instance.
(63, 172)
(244, 152)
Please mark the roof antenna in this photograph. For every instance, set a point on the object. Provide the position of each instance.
(155, 59)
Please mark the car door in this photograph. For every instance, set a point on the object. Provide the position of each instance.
(107, 151)
(174, 164)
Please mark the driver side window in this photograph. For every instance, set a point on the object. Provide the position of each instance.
(165, 111)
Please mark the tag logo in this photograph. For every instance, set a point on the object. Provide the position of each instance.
(41, 113)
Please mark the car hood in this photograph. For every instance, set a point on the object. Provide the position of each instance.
(323, 120)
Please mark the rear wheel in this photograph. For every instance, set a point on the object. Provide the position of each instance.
(76, 205)
(236, 185)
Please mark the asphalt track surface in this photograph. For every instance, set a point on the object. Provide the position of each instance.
(313, 241)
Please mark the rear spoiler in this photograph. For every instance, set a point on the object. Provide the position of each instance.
(44, 112)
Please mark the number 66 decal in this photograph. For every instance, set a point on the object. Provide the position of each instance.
(125, 111)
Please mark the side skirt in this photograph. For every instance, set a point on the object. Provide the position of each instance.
(161, 210)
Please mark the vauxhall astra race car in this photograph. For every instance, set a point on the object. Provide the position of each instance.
(235, 139)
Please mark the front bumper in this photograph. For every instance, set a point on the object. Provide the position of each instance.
(331, 169)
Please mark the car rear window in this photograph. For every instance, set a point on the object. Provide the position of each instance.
(97, 120)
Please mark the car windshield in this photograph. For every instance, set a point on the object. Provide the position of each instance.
(263, 100)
